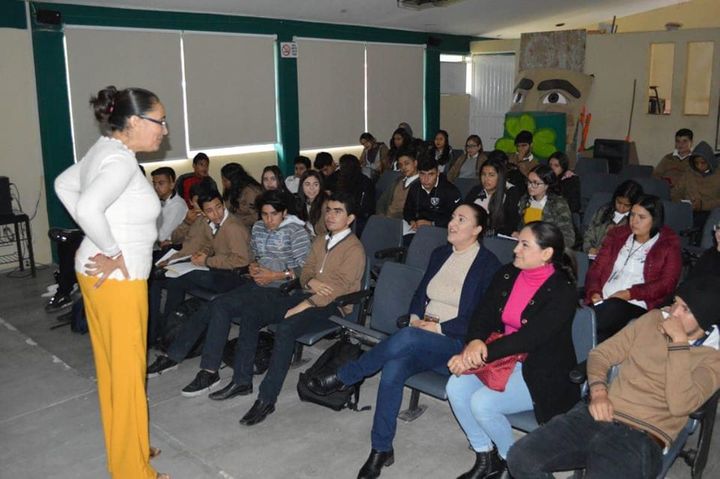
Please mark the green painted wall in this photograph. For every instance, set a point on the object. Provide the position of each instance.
(53, 100)
(12, 14)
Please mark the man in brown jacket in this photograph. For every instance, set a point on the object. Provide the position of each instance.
(674, 165)
(218, 244)
(669, 366)
(334, 267)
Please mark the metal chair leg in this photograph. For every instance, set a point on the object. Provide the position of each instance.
(414, 410)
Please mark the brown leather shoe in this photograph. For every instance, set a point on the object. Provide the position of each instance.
(154, 452)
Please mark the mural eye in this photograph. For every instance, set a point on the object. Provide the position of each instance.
(554, 98)
(519, 97)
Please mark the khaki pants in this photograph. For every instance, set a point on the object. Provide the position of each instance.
(117, 319)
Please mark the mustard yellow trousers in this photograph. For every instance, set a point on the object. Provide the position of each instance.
(117, 314)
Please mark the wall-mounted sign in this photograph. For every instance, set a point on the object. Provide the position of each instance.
(288, 50)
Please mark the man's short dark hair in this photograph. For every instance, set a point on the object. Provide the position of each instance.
(208, 196)
(275, 198)
(687, 132)
(346, 199)
(164, 170)
(304, 160)
(524, 137)
(200, 157)
(427, 163)
(322, 160)
(201, 188)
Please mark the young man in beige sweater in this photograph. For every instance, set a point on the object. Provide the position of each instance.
(334, 267)
(669, 366)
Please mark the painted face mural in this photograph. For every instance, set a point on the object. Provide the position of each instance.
(552, 90)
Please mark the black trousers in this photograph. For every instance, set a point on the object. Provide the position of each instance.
(613, 314)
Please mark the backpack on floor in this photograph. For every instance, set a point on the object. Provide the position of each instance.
(262, 354)
(341, 352)
(174, 323)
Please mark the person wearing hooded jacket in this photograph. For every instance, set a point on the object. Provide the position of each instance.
(280, 244)
(700, 185)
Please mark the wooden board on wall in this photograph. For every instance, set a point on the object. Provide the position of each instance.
(564, 49)
(455, 117)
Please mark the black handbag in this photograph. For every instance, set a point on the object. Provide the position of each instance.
(337, 355)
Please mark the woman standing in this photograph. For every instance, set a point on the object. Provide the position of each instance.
(451, 289)
(532, 303)
(116, 207)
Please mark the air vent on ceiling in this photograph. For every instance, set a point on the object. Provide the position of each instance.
(423, 4)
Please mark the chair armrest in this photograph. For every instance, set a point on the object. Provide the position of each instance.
(397, 252)
(578, 375)
(352, 298)
(403, 321)
(362, 333)
(288, 286)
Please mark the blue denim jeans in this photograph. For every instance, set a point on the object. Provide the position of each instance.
(481, 410)
(405, 353)
(607, 450)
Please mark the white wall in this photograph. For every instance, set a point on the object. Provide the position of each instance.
(21, 158)
(616, 60)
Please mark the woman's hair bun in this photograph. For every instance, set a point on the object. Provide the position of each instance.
(103, 103)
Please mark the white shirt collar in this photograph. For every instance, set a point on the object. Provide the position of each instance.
(531, 157)
(214, 228)
(410, 179)
(677, 154)
(333, 240)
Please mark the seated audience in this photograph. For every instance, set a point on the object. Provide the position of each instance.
(399, 142)
(280, 246)
(312, 198)
(468, 164)
(669, 366)
(540, 203)
(709, 262)
(221, 244)
(531, 303)
(568, 183)
(374, 155)
(392, 200)
(334, 267)
(613, 214)
(636, 269)
(441, 150)
(700, 185)
(325, 164)
(181, 231)
(673, 166)
(173, 209)
(361, 189)
(240, 197)
(301, 165)
(498, 197)
(524, 160)
(431, 200)
(453, 286)
(201, 167)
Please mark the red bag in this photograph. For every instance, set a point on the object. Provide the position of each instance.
(495, 375)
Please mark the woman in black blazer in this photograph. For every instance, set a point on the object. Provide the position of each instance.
(532, 303)
(498, 197)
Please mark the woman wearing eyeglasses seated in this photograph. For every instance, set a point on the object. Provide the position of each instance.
(468, 164)
(540, 204)
(637, 268)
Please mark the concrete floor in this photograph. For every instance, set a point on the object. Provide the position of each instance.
(50, 428)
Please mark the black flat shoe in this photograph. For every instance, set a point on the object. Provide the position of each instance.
(374, 464)
(257, 413)
(322, 386)
(231, 390)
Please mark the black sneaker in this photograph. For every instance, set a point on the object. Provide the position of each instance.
(58, 302)
(203, 382)
(161, 364)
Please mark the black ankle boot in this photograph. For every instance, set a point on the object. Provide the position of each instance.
(374, 464)
(488, 465)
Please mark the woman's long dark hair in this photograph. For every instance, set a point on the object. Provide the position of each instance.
(629, 189)
(547, 235)
(654, 206)
(239, 180)
(446, 154)
(481, 217)
(316, 206)
(278, 176)
(495, 205)
(394, 151)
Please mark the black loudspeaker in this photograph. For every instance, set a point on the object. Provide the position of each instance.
(616, 152)
(5, 199)
(434, 41)
(48, 17)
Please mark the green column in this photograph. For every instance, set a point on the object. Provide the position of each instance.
(432, 91)
(53, 112)
(288, 146)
